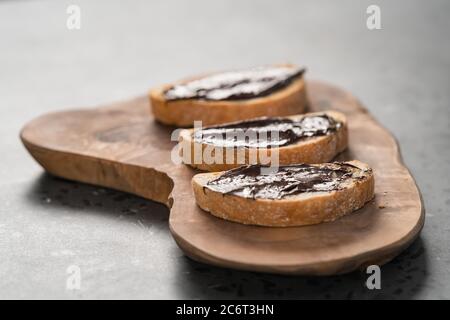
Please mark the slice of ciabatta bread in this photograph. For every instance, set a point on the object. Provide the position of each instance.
(296, 195)
(227, 104)
(322, 135)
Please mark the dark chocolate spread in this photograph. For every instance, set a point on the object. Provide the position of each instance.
(236, 85)
(248, 182)
(267, 132)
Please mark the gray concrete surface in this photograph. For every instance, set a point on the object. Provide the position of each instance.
(122, 243)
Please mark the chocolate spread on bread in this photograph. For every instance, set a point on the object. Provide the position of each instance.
(248, 182)
(267, 132)
(236, 85)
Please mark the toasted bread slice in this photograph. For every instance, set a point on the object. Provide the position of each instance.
(314, 149)
(287, 100)
(295, 199)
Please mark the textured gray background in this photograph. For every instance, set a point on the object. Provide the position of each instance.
(122, 243)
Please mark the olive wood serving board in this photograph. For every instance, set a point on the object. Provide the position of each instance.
(120, 146)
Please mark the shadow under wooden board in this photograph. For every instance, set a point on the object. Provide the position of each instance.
(120, 146)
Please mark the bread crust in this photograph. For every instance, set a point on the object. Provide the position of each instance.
(182, 113)
(304, 209)
(318, 149)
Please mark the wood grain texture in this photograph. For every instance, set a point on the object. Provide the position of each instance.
(120, 146)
